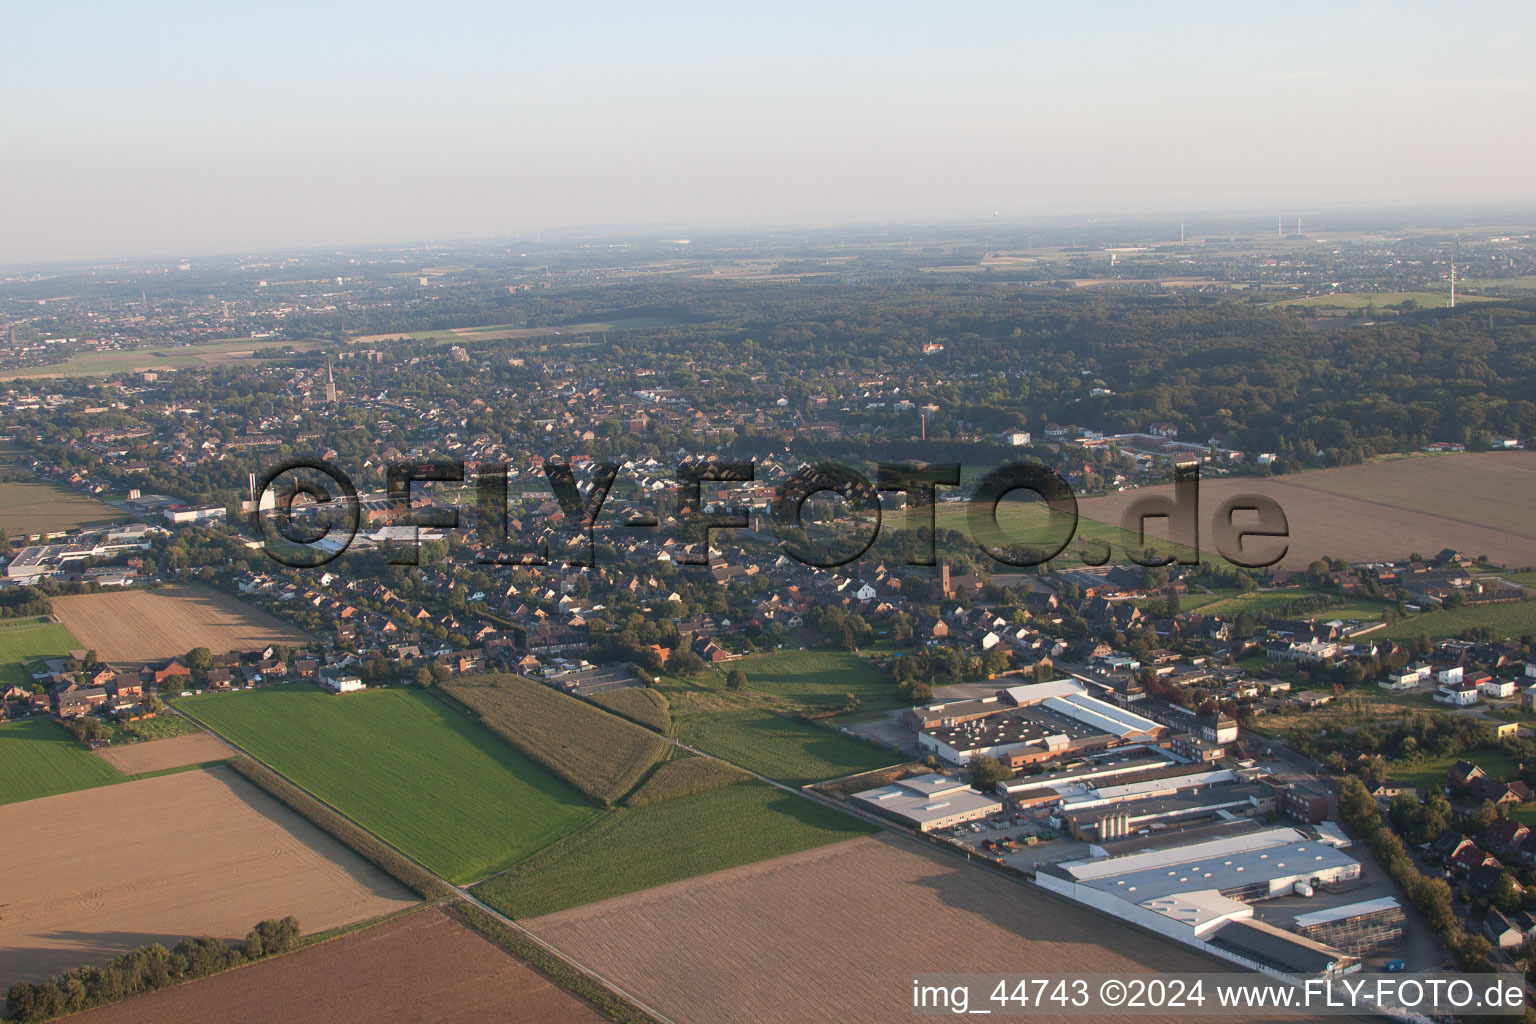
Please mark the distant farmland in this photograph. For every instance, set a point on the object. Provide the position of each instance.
(1381, 300)
(1477, 503)
(502, 332)
(28, 507)
(162, 357)
(144, 625)
(403, 765)
(836, 933)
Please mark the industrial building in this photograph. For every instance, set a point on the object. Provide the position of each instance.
(928, 802)
(1267, 948)
(1076, 777)
(1189, 893)
(1029, 724)
(1174, 810)
(180, 515)
(1359, 929)
(37, 561)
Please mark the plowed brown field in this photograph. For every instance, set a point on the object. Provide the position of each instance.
(145, 625)
(93, 874)
(1479, 504)
(174, 752)
(424, 966)
(836, 934)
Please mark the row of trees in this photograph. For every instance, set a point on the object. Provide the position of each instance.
(144, 970)
(1432, 896)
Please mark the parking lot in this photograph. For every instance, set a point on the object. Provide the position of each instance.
(1048, 846)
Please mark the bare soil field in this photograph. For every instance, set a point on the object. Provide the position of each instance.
(157, 755)
(92, 874)
(836, 933)
(420, 967)
(144, 625)
(1479, 504)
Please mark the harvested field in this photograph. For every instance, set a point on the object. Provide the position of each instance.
(28, 507)
(142, 625)
(418, 967)
(95, 873)
(837, 932)
(158, 755)
(1476, 503)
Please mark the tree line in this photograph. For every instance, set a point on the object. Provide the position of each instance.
(146, 969)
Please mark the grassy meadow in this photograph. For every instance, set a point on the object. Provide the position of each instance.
(405, 766)
(780, 747)
(38, 758)
(25, 641)
(625, 851)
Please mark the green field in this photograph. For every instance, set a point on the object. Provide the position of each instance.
(1507, 619)
(684, 776)
(1363, 300)
(1263, 603)
(628, 850)
(28, 640)
(1192, 602)
(1034, 523)
(1514, 284)
(406, 767)
(161, 727)
(794, 752)
(38, 758)
(819, 678)
(1429, 774)
(29, 506)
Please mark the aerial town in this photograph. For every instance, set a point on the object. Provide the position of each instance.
(1308, 764)
(743, 514)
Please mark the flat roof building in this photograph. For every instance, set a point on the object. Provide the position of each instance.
(1187, 892)
(1055, 721)
(928, 802)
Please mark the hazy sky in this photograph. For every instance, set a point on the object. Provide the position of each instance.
(191, 128)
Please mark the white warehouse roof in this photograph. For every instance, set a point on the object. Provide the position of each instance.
(1034, 693)
(928, 798)
(1341, 913)
(1107, 717)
